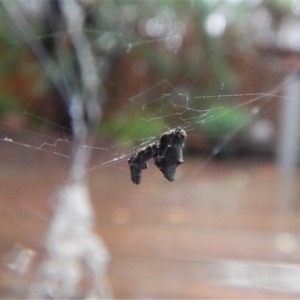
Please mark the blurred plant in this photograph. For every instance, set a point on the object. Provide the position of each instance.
(9, 104)
(191, 43)
(128, 128)
(223, 119)
(224, 122)
(10, 58)
(20, 74)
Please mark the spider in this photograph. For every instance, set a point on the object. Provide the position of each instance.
(167, 154)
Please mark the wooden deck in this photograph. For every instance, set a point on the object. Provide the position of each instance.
(218, 231)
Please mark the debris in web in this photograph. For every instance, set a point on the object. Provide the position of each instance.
(167, 154)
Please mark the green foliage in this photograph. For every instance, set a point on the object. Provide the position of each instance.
(128, 128)
(17, 65)
(224, 119)
(9, 104)
(11, 50)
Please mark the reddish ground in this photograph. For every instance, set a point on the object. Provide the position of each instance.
(219, 231)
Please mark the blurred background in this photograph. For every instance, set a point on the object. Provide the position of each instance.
(225, 71)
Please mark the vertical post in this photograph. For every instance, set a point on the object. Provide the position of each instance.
(288, 139)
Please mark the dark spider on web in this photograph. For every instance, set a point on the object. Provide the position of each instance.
(167, 154)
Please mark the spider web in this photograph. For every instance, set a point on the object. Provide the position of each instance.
(176, 107)
(184, 115)
(172, 104)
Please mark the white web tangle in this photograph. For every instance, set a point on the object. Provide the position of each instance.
(162, 94)
(167, 97)
(184, 115)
